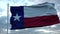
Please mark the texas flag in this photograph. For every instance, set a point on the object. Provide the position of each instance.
(33, 16)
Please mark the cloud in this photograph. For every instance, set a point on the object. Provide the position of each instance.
(1, 9)
(54, 29)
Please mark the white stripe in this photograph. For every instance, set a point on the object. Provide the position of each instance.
(31, 11)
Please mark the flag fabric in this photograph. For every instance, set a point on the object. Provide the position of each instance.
(33, 16)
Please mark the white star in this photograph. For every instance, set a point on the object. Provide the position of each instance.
(16, 17)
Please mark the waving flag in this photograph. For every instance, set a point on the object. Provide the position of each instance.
(33, 16)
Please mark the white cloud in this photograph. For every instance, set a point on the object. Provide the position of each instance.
(17, 30)
(9, 31)
(44, 30)
(53, 26)
(3, 5)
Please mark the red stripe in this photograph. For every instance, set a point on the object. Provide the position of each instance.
(41, 21)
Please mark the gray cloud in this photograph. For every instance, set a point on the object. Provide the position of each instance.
(3, 24)
(1, 9)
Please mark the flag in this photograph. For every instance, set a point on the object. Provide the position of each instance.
(33, 16)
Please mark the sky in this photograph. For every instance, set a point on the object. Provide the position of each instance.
(53, 29)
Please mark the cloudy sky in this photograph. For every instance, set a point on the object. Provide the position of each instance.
(53, 29)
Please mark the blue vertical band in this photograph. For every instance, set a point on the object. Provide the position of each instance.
(15, 24)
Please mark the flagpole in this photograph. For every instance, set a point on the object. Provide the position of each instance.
(7, 16)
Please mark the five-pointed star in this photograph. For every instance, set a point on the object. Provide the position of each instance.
(16, 17)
